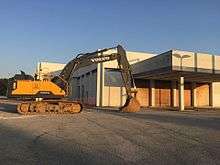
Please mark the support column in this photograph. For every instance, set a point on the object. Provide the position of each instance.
(102, 84)
(211, 95)
(152, 93)
(194, 95)
(98, 85)
(174, 94)
(81, 88)
(181, 94)
(90, 89)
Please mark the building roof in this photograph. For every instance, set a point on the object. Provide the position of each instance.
(175, 63)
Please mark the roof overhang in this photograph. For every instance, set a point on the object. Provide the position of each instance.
(169, 73)
(196, 67)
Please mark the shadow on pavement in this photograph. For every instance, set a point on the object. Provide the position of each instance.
(9, 108)
(196, 121)
(22, 147)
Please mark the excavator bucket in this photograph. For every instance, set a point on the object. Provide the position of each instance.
(131, 105)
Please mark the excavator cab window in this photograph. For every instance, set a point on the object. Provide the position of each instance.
(14, 86)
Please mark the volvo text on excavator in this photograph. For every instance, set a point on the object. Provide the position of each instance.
(54, 93)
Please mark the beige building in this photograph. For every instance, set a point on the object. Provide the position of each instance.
(46, 70)
(171, 79)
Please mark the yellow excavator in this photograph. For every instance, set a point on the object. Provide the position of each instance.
(52, 95)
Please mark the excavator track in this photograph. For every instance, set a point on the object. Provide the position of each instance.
(49, 107)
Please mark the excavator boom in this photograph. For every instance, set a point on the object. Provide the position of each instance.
(131, 104)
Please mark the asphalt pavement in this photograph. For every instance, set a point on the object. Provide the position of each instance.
(104, 137)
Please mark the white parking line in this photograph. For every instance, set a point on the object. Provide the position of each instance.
(15, 117)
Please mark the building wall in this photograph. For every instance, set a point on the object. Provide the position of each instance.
(46, 70)
(201, 62)
(156, 62)
(89, 86)
(84, 85)
(116, 96)
(202, 93)
(162, 93)
(217, 64)
(216, 94)
(204, 62)
(133, 57)
(91, 89)
(143, 94)
(187, 94)
(113, 96)
(187, 63)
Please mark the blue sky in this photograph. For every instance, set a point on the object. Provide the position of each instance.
(56, 30)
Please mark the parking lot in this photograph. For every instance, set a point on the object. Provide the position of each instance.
(105, 137)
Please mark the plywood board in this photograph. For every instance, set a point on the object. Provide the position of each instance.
(143, 92)
(163, 93)
(202, 93)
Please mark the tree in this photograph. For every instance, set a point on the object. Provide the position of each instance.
(3, 86)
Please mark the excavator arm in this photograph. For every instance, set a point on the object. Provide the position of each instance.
(131, 104)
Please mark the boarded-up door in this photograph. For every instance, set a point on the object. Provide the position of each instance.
(143, 92)
(162, 93)
(202, 93)
(187, 94)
